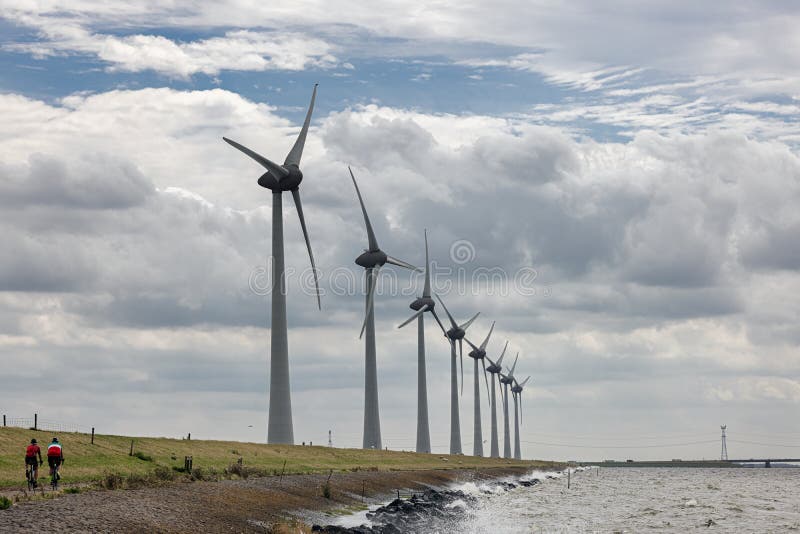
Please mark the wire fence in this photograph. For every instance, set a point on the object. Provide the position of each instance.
(36, 423)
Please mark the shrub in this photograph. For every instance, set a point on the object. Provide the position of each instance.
(326, 490)
(142, 456)
(72, 490)
(5, 503)
(245, 472)
(111, 481)
(162, 472)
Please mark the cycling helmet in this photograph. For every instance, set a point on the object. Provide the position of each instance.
(33, 441)
(55, 440)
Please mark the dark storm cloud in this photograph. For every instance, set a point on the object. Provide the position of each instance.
(773, 246)
(642, 273)
(94, 181)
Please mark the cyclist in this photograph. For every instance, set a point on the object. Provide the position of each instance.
(55, 457)
(30, 459)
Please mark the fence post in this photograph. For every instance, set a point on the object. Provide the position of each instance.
(4, 419)
(569, 471)
(92, 435)
(189, 438)
(35, 421)
(131, 453)
(187, 464)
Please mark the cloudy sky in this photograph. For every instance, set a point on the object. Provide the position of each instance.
(628, 173)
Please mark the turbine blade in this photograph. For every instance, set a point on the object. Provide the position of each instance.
(373, 243)
(452, 321)
(401, 263)
(520, 409)
(372, 275)
(471, 344)
(433, 311)
(522, 384)
(299, 206)
(277, 171)
(502, 354)
(297, 150)
(486, 379)
(426, 291)
(502, 393)
(486, 341)
(514, 366)
(461, 357)
(466, 325)
(417, 314)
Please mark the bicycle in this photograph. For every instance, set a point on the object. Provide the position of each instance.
(54, 476)
(30, 475)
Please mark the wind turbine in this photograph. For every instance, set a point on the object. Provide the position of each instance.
(280, 178)
(516, 391)
(479, 353)
(495, 368)
(506, 380)
(456, 333)
(372, 260)
(423, 304)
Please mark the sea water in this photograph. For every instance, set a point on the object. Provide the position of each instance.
(634, 500)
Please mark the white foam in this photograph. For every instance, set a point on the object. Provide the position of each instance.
(458, 503)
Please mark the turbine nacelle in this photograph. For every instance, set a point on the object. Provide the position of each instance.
(421, 303)
(456, 334)
(494, 368)
(477, 354)
(372, 258)
(287, 183)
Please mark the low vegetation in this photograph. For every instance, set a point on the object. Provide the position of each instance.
(109, 464)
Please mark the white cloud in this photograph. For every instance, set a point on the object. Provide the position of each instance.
(583, 43)
(236, 50)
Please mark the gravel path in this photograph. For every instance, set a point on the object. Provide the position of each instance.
(227, 506)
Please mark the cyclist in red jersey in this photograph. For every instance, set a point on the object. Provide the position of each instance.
(31, 452)
(55, 456)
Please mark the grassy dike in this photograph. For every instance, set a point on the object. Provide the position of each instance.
(110, 455)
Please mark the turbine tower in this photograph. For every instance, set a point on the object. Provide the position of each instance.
(516, 391)
(372, 260)
(506, 380)
(280, 178)
(495, 368)
(479, 353)
(423, 304)
(724, 454)
(456, 333)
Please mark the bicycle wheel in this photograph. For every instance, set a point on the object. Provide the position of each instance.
(29, 477)
(54, 478)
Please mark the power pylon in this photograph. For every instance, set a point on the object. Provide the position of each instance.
(724, 454)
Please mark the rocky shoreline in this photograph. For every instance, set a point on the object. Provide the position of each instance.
(265, 504)
(428, 511)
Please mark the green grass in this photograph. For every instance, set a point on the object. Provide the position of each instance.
(110, 455)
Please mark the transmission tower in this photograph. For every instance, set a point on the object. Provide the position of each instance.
(330, 440)
(724, 454)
